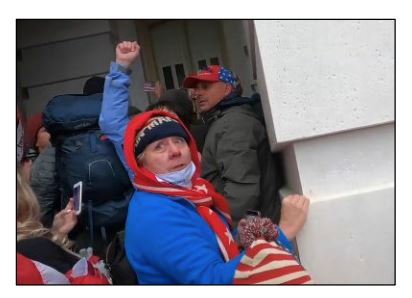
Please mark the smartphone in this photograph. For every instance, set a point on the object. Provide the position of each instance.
(77, 197)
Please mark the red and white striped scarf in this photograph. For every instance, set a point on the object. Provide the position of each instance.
(202, 193)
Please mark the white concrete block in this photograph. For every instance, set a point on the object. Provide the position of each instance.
(350, 240)
(326, 76)
(66, 60)
(343, 163)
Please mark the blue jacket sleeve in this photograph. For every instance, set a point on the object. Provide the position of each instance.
(113, 117)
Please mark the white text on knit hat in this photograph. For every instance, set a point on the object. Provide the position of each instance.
(153, 122)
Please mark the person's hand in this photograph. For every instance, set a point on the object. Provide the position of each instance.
(26, 169)
(159, 89)
(64, 221)
(127, 52)
(293, 214)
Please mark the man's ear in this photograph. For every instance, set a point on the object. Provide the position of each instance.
(228, 89)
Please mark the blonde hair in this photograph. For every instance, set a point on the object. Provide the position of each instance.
(139, 159)
(28, 215)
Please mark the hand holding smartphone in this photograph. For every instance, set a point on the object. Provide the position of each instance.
(77, 197)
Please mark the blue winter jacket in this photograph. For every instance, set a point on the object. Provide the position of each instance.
(168, 242)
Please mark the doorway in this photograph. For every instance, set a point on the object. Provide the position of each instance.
(183, 46)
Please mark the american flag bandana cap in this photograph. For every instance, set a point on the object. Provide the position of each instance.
(227, 76)
(213, 73)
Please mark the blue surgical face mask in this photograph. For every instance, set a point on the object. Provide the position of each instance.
(182, 177)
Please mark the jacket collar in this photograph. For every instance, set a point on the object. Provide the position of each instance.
(233, 99)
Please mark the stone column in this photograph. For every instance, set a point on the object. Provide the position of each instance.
(327, 88)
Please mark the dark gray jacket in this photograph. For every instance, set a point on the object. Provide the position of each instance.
(44, 184)
(237, 159)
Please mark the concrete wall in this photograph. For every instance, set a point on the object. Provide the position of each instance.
(349, 177)
(327, 76)
(36, 32)
(328, 95)
(126, 30)
(58, 56)
(238, 52)
(205, 45)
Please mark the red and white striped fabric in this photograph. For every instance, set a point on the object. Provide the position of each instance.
(267, 263)
(31, 272)
(148, 87)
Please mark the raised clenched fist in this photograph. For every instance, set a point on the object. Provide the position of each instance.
(127, 52)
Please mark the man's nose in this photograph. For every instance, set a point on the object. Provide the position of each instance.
(195, 94)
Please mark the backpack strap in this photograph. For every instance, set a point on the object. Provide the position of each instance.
(91, 224)
(91, 227)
